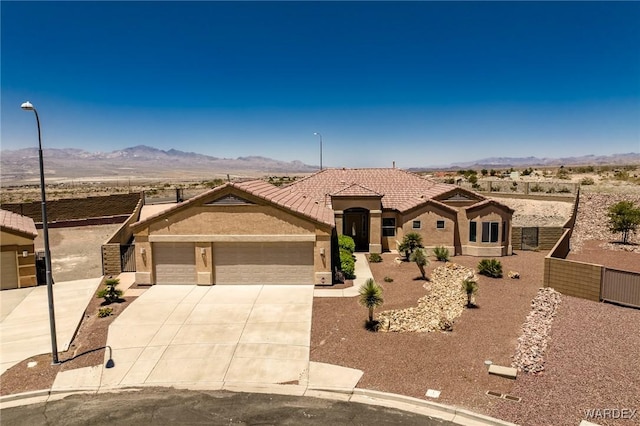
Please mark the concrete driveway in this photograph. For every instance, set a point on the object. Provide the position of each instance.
(24, 318)
(212, 336)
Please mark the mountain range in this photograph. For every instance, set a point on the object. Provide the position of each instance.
(145, 162)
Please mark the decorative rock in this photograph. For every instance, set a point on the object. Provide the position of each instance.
(514, 275)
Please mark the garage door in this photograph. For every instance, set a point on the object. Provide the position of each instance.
(8, 270)
(175, 263)
(263, 263)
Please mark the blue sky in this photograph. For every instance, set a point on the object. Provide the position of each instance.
(421, 83)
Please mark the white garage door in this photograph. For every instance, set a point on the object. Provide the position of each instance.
(263, 263)
(175, 263)
(8, 270)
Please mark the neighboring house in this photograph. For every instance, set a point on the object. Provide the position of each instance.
(17, 261)
(254, 232)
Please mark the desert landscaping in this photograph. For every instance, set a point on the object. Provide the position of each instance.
(561, 345)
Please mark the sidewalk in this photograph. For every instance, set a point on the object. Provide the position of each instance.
(362, 273)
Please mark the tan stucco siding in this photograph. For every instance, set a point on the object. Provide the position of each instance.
(26, 266)
(429, 216)
(369, 203)
(488, 213)
(231, 220)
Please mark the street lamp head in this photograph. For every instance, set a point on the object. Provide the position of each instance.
(316, 133)
(27, 106)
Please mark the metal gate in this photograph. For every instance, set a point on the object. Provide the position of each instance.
(621, 287)
(529, 238)
(128, 258)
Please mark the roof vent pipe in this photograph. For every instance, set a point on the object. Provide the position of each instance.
(394, 164)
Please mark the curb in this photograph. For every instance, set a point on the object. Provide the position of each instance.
(355, 395)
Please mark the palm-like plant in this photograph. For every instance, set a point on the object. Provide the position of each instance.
(421, 260)
(409, 243)
(470, 287)
(370, 296)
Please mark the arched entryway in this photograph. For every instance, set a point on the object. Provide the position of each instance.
(356, 225)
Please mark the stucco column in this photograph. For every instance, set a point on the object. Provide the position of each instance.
(144, 260)
(339, 218)
(375, 231)
(204, 262)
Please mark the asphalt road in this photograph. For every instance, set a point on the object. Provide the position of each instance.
(160, 406)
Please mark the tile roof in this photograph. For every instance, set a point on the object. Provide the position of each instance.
(356, 190)
(400, 190)
(18, 223)
(489, 202)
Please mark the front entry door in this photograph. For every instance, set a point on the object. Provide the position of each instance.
(356, 225)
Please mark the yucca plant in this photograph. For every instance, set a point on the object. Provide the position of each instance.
(490, 267)
(441, 253)
(470, 287)
(370, 296)
(421, 260)
(110, 293)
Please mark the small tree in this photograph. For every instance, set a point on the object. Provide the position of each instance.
(624, 217)
(370, 296)
(470, 287)
(409, 243)
(110, 293)
(421, 260)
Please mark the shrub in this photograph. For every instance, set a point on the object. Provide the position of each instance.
(110, 293)
(441, 253)
(470, 287)
(450, 181)
(490, 267)
(345, 242)
(564, 190)
(388, 279)
(375, 258)
(536, 188)
(551, 190)
(409, 243)
(104, 312)
(347, 264)
(587, 181)
(370, 297)
(421, 260)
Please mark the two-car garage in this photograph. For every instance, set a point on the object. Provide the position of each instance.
(236, 262)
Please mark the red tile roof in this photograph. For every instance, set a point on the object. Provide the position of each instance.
(400, 190)
(18, 223)
(355, 190)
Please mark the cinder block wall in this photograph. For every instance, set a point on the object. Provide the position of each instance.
(548, 237)
(573, 278)
(516, 237)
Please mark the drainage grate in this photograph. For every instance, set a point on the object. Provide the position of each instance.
(504, 396)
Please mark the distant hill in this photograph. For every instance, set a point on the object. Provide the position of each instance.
(585, 160)
(138, 161)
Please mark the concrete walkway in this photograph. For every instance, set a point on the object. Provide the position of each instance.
(24, 318)
(362, 273)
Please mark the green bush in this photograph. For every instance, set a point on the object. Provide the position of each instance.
(345, 242)
(110, 293)
(441, 253)
(490, 268)
(375, 258)
(536, 188)
(564, 190)
(409, 243)
(104, 312)
(587, 181)
(347, 264)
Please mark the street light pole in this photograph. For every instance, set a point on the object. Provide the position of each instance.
(27, 106)
(318, 134)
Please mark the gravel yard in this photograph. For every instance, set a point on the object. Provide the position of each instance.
(409, 363)
(538, 212)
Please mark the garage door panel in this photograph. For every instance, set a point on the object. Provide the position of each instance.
(263, 263)
(8, 270)
(175, 263)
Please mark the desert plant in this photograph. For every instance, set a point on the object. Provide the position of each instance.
(587, 181)
(421, 260)
(536, 188)
(441, 253)
(104, 312)
(470, 287)
(564, 190)
(375, 258)
(551, 190)
(388, 279)
(409, 243)
(370, 296)
(110, 293)
(624, 217)
(345, 242)
(347, 264)
(490, 267)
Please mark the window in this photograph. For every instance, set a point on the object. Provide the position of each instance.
(388, 227)
(440, 224)
(416, 224)
(472, 231)
(490, 232)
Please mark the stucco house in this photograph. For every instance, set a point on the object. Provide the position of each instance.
(254, 232)
(17, 255)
